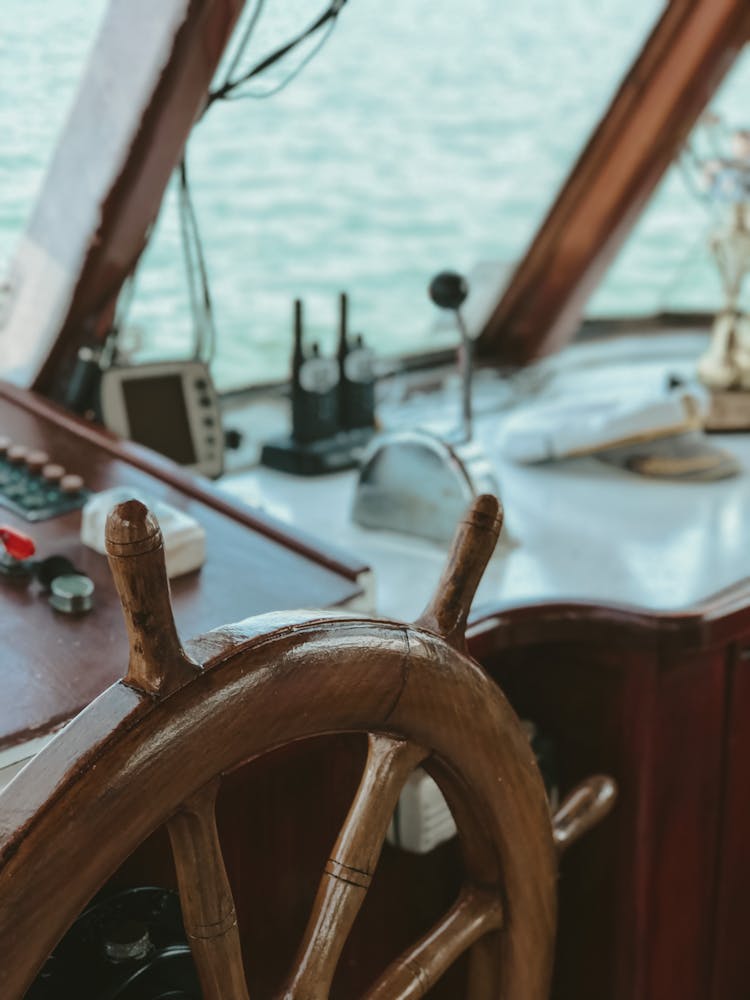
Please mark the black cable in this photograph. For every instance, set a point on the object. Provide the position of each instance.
(192, 245)
(244, 41)
(222, 92)
(205, 325)
(258, 95)
(190, 265)
(124, 302)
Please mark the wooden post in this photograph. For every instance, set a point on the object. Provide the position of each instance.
(135, 548)
(473, 545)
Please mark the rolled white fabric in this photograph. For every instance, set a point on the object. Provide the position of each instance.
(561, 428)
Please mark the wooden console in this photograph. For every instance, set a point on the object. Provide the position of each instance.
(52, 665)
(654, 903)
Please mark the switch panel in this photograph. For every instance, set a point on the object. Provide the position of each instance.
(34, 487)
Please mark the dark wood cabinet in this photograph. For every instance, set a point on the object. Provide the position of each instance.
(655, 903)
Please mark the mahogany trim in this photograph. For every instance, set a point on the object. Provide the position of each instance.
(683, 62)
(709, 623)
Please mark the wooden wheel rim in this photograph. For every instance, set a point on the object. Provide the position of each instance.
(273, 687)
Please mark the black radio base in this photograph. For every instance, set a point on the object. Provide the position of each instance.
(337, 453)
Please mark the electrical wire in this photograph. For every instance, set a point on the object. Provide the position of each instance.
(243, 43)
(260, 95)
(188, 258)
(125, 300)
(201, 304)
(199, 291)
(330, 14)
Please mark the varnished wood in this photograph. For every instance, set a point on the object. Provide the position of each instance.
(349, 871)
(475, 540)
(413, 974)
(53, 665)
(582, 809)
(158, 664)
(267, 683)
(683, 62)
(205, 895)
(731, 967)
(638, 917)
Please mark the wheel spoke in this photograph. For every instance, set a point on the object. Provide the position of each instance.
(348, 872)
(416, 971)
(206, 898)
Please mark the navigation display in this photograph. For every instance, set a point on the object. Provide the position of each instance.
(158, 416)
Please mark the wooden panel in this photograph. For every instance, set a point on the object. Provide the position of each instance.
(731, 976)
(637, 894)
(52, 665)
(684, 804)
(584, 700)
(669, 84)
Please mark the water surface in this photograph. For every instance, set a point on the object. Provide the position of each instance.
(424, 135)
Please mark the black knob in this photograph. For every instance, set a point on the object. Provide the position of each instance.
(232, 438)
(48, 569)
(448, 290)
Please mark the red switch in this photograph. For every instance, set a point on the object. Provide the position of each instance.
(17, 545)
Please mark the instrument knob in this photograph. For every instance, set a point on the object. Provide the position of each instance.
(46, 570)
(52, 473)
(72, 593)
(448, 290)
(17, 454)
(36, 460)
(71, 483)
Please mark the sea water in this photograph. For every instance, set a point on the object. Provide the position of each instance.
(424, 134)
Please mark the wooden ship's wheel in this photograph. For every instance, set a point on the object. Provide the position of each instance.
(151, 751)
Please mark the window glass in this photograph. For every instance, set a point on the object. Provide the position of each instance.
(421, 136)
(666, 264)
(43, 48)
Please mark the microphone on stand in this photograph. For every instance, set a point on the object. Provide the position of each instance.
(448, 290)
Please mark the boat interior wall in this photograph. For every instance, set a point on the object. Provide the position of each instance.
(145, 84)
(686, 57)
